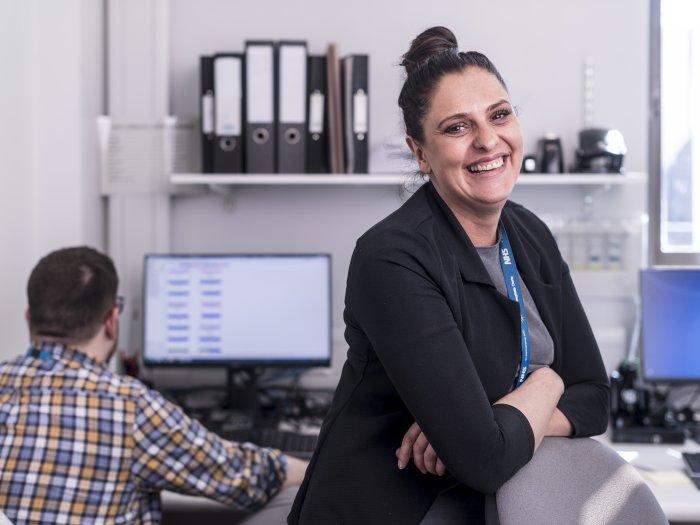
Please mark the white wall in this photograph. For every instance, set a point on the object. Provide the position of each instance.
(16, 197)
(52, 90)
(539, 47)
(53, 54)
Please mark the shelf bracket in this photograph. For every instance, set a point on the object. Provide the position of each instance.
(227, 192)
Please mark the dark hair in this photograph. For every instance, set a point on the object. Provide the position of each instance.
(70, 291)
(432, 55)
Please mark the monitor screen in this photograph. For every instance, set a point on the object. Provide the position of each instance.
(235, 309)
(670, 307)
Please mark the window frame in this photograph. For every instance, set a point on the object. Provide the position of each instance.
(656, 256)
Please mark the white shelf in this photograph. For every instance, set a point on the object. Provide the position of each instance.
(391, 179)
(283, 179)
(581, 179)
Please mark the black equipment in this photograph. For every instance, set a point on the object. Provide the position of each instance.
(600, 151)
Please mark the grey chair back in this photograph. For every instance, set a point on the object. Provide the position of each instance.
(577, 481)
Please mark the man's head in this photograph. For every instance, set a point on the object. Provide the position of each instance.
(71, 292)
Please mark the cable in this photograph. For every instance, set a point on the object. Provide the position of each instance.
(632, 353)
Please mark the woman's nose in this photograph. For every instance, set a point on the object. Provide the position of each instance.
(486, 138)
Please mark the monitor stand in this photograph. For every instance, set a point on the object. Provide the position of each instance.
(242, 395)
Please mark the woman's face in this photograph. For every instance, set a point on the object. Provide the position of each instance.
(472, 147)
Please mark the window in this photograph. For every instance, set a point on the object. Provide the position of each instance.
(675, 131)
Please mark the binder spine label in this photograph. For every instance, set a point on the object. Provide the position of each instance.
(208, 113)
(227, 79)
(293, 84)
(317, 103)
(360, 114)
(260, 84)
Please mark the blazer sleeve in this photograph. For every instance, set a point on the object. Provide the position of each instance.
(395, 297)
(585, 401)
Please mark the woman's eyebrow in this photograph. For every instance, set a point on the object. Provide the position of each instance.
(466, 115)
(499, 103)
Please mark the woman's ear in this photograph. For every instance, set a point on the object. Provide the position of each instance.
(419, 154)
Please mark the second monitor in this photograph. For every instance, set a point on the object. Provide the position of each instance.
(670, 306)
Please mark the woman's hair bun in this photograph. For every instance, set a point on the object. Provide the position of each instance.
(430, 42)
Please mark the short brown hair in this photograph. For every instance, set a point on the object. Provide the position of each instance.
(70, 291)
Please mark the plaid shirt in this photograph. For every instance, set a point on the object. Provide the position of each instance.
(81, 444)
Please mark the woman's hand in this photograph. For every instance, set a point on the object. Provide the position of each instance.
(415, 445)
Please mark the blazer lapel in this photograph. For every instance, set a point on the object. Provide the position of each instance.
(527, 257)
(458, 243)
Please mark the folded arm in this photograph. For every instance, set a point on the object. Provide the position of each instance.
(536, 398)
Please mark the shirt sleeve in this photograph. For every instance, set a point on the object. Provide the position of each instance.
(175, 452)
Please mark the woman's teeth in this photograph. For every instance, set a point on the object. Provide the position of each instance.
(488, 166)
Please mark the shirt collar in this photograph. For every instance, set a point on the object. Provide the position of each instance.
(57, 351)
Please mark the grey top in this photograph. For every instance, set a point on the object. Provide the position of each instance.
(541, 345)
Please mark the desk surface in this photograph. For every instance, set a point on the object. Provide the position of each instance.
(661, 467)
(172, 502)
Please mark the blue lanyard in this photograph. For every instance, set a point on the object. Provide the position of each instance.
(42, 350)
(39, 353)
(510, 273)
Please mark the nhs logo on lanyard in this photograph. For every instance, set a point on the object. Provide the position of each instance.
(505, 255)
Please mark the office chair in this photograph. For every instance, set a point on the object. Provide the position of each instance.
(577, 481)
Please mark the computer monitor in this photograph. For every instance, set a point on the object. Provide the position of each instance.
(670, 310)
(238, 310)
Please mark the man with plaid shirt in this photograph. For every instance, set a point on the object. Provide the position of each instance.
(81, 444)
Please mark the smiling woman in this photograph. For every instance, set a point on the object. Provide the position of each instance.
(467, 341)
(472, 149)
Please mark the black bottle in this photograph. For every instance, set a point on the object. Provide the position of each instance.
(550, 154)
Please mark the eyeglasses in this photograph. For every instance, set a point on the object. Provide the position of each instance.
(119, 304)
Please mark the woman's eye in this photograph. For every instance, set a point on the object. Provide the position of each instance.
(454, 129)
(501, 114)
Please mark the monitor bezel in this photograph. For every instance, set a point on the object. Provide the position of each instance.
(238, 363)
(643, 370)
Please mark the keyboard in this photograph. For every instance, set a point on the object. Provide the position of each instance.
(692, 463)
(292, 443)
(639, 434)
(692, 466)
(693, 432)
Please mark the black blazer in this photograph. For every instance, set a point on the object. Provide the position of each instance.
(431, 340)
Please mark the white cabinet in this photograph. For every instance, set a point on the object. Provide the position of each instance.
(598, 220)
